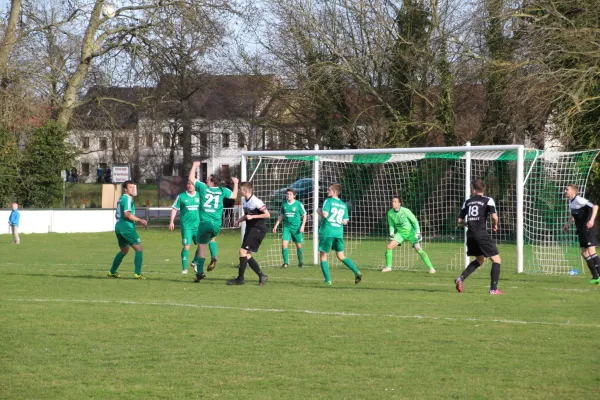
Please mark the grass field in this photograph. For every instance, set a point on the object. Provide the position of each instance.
(68, 332)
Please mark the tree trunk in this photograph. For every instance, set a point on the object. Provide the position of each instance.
(10, 37)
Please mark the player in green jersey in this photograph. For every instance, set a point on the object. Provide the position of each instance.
(403, 226)
(187, 203)
(211, 217)
(126, 233)
(331, 232)
(293, 216)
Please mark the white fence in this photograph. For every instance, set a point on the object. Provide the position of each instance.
(89, 220)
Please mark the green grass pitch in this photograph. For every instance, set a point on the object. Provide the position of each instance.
(68, 332)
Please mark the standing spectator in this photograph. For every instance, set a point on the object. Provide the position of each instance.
(107, 175)
(99, 174)
(13, 222)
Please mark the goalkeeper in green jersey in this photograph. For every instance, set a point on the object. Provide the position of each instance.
(293, 216)
(403, 226)
(187, 204)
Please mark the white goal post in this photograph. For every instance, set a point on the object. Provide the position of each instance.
(433, 182)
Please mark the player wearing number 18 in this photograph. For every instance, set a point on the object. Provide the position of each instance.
(331, 232)
(475, 212)
(211, 215)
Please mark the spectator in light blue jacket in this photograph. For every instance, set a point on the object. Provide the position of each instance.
(13, 222)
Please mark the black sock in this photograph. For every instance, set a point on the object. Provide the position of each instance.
(470, 269)
(495, 276)
(592, 266)
(255, 267)
(242, 271)
(597, 262)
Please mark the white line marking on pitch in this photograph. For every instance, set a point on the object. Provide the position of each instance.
(312, 312)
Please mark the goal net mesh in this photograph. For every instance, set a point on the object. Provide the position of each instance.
(432, 186)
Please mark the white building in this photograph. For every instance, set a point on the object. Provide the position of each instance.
(143, 127)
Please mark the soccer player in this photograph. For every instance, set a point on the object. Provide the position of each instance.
(255, 213)
(126, 233)
(404, 226)
(331, 232)
(480, 245)
(211, 216)
(187, 204)
(583, 213)
(293, 216)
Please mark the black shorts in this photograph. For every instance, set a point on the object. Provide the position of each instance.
(253, 237)
(481, 246)
(587, 237)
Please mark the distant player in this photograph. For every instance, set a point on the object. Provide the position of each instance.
(331, 232)
(480, 245)
(187, 203)
(255, 214)
(126, 233)
(403, 226)
(211, 215)
(293, 216)
(583, 213)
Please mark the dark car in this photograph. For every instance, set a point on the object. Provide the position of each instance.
(304, 193)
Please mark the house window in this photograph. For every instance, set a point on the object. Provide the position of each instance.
(148, 140)
(204, 142)
(241, 140)
(166, 170)
(225, 174)
(102, 165)
(166, 139)
(225, 139)
(85, 169)
(103, 144)
(123, 143)
(85, 142)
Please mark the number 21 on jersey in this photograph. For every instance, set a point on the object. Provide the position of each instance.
(212, 198)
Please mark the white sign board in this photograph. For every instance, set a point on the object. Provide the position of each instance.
(120, 173)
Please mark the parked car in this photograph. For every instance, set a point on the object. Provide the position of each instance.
(304, 193)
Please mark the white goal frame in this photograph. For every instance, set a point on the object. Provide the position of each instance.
(520, 179)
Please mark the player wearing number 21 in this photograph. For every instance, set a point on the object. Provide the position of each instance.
(331, 232)
(211, 214)
(475, 212)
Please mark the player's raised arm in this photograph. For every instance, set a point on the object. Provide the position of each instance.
(234, 192)
(192, 175)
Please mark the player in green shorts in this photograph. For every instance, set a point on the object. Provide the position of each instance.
(331, 232)
(187, 203)
(211, 217)
(293, 216)
(126, 233)
(403, 226)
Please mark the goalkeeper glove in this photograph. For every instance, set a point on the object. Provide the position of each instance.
(418, 235)
(391, 236)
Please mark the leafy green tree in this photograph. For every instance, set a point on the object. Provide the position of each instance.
(9, 167)
(45, 156)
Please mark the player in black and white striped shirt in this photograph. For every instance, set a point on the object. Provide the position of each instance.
(255, 213)
(475, 213)
(583, 213)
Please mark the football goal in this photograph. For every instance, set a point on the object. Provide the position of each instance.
(526, 184)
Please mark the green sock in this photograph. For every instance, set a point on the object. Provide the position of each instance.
(286, 258)
(348, 263)
(425, 258)
(212, 246)
(116, 262)
(300, 254)
(137, 261)
(325, 269)
(200, 265)
(184, 258)
(388, 258)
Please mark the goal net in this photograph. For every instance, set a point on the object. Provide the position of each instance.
(433, 183)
